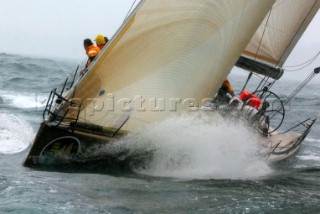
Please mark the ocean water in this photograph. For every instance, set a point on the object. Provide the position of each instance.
(200, 165)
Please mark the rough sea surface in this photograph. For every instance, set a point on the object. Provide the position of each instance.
(201, 166)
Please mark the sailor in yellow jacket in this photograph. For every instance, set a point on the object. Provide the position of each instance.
(101, 41)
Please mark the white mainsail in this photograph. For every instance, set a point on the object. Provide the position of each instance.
(168, 51)
(281, 30)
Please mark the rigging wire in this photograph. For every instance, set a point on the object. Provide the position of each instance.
(296, 91)
(263, 79)
(272, 83)
(265, 83)
(257, 75)
(129, 10)
(300, 87)
(264, 31)
(261, 83)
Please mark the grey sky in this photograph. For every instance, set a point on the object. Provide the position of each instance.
(56, 28)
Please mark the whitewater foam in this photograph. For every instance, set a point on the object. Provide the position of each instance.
(313, 140)
(198, 147)
(15, 134)
(309, 157)
(25, 100)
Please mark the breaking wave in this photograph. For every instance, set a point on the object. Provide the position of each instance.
(15, 134)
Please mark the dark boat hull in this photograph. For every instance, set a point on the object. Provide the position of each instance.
(63, 145)
(60, 145)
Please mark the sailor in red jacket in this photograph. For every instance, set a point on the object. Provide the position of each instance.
(250, 99)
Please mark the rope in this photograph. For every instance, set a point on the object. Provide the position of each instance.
(305, 64)
(302, 64)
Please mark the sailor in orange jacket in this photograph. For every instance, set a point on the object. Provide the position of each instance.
(91, 50)
(222, 95)
(228, 87)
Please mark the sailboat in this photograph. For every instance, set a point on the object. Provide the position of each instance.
(166, 58)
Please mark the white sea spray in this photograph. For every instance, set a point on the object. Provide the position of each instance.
(16, 134)
(197, 147)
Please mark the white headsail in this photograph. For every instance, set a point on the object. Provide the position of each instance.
(281, 30)
(168, 52)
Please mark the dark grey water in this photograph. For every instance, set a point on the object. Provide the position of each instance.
(209, 183)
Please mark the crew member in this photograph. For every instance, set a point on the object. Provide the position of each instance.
(91, 50)
(250, 99)
(227, 87)
(101, 41)
(222, 95)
